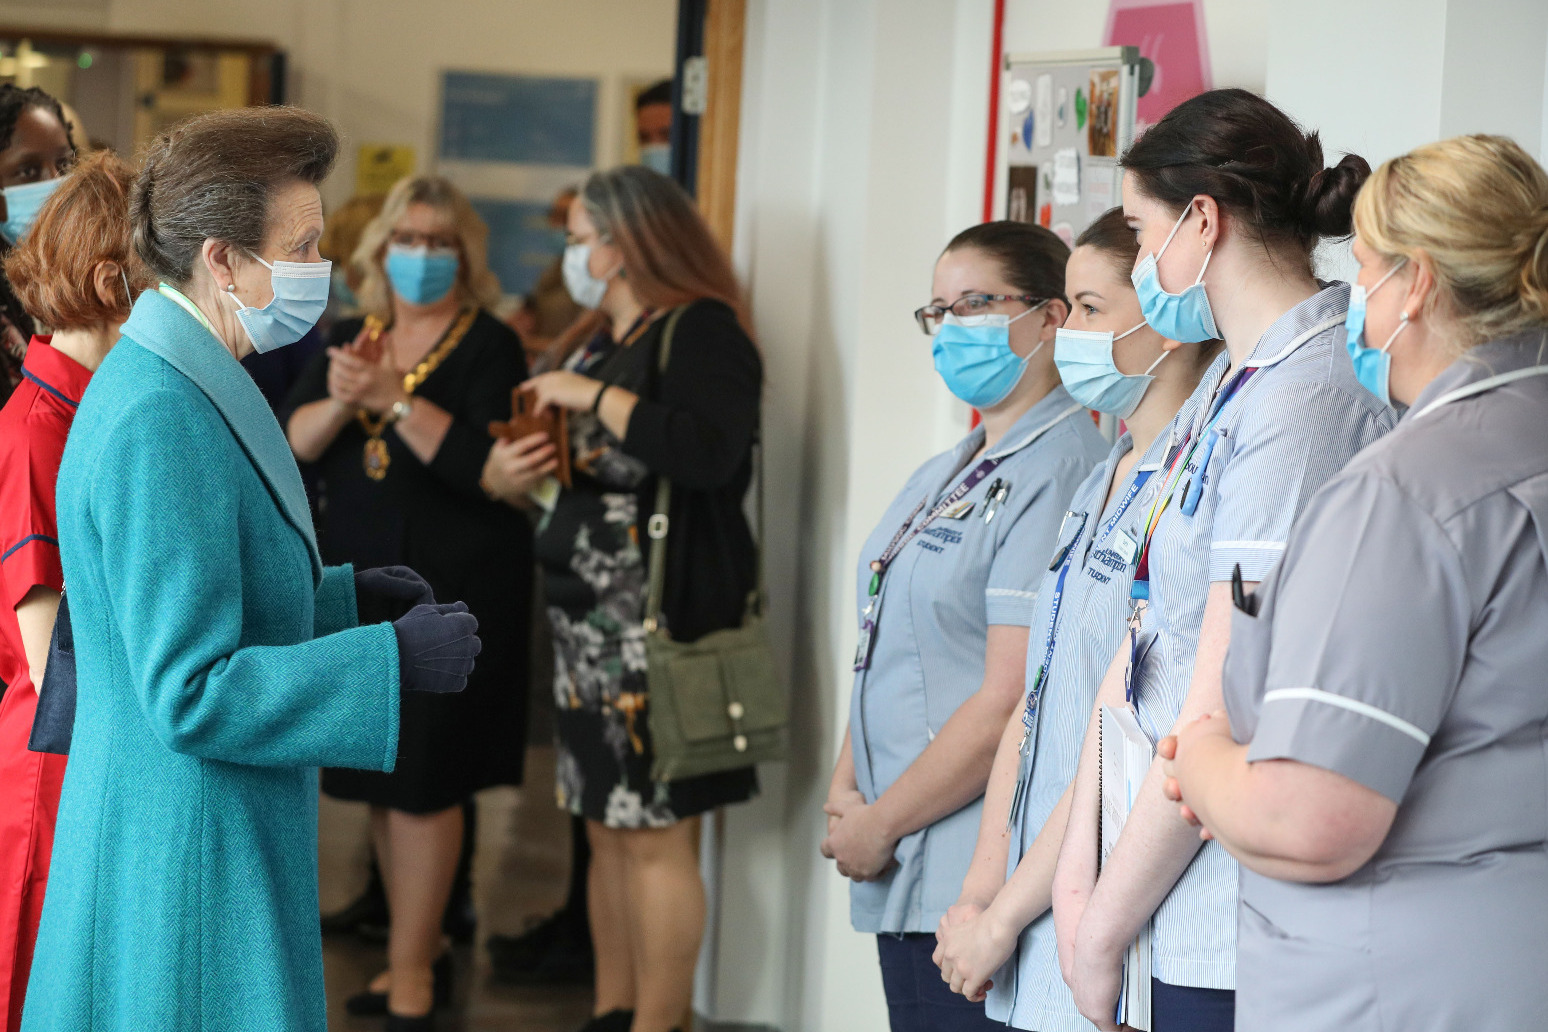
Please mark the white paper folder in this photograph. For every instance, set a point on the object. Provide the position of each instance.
(1126, 758)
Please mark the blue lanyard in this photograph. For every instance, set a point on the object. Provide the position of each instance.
(1035, 691)
(1064, 560)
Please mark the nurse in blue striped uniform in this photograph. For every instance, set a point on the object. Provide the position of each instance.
(947, 586)
(1110, 361)
(1228, 197)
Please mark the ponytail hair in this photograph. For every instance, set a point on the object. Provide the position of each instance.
(1255, 161)
(1477, 208)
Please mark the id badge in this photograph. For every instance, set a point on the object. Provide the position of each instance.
(1126, 547)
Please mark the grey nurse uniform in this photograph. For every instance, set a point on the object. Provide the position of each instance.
(1404, 644)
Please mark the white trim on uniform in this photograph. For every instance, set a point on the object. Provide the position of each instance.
(1275, 545)
(1035, 434)
(1030, 596)
(1364, 709)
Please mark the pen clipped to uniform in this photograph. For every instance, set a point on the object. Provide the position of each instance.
(1239, 597)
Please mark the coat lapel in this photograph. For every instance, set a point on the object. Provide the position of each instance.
(163, 328)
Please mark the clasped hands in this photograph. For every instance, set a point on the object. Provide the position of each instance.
(1181, 750)
(856, 840)
(437, 644)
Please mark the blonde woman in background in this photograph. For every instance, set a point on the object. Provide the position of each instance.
(1379, 767)
(395, 416)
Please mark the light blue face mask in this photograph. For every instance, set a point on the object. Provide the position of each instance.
(22, 204)
(1187, 316)
(300, 296)
(1085, 362)
(974, 357)
(421, 276)
(657, 157)
(1373, 366)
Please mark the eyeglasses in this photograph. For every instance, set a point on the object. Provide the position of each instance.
(432, 241)
(969, 305)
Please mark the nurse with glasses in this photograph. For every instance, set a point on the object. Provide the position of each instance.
(947, 587)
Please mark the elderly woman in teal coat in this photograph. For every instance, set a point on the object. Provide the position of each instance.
(219, 663)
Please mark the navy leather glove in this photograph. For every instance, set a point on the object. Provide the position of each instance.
(436, 647)
(395, 582)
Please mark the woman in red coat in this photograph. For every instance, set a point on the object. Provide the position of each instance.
(71, 273)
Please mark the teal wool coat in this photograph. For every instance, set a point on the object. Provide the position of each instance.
(219, 666)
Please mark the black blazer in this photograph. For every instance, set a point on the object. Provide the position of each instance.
(696, 422)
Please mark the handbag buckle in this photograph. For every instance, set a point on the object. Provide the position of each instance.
(657, 527)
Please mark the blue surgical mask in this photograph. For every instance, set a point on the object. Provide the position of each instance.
(586, 289)
(1373, 366)
(22, 204)
(974, 357)
(421, 276)
(1187, 316)
(300, 296)
(1084, 359)
(657, 157)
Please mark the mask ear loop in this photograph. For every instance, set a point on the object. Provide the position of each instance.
(1402, 325)
(1168, 243)
(1134, 329)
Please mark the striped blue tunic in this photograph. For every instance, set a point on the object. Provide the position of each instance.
(1293, 425)
(946, 588)
(1029, 992)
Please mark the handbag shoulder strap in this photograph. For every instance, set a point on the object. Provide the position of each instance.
(660, 522)
(656, 528)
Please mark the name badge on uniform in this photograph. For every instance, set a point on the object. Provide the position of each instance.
(1126, 547)
(960, 511)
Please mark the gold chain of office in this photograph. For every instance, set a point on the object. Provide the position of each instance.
(376, 457)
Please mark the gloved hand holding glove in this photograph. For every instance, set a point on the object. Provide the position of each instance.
(436, 647)
(398, 583)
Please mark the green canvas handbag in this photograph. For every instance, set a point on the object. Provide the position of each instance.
(717, 703)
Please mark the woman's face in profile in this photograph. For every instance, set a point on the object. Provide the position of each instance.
(39, 150)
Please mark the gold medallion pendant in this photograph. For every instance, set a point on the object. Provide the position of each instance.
(376, 459)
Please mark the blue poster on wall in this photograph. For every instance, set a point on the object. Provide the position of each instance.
(518, 118)
(527, 244)
(512, 141)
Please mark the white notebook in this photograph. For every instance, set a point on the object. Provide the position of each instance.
(1126, 758)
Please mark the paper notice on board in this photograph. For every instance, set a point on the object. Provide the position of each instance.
(1099, 192)
(1044, 127)
(1066, 176)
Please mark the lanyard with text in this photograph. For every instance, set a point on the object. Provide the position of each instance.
(905, 534)
(1062, 561)
(1140, 589)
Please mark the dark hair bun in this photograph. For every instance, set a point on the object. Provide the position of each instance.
(1254, 161)
(1327, 208)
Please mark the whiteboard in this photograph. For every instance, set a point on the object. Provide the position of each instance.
(1066, 116)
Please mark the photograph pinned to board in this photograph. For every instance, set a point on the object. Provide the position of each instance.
(1102, 131)
(1018, 96)
(1066, 176)
(1021, 193)
(1044, 109)
(1062, 108)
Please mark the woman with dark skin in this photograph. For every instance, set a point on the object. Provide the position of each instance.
(35, 148)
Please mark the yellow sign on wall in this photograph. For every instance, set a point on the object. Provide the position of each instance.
(379, 165)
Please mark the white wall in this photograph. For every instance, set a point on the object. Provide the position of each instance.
(374, 66)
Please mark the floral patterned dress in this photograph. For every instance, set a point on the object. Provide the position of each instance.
(594, 577)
